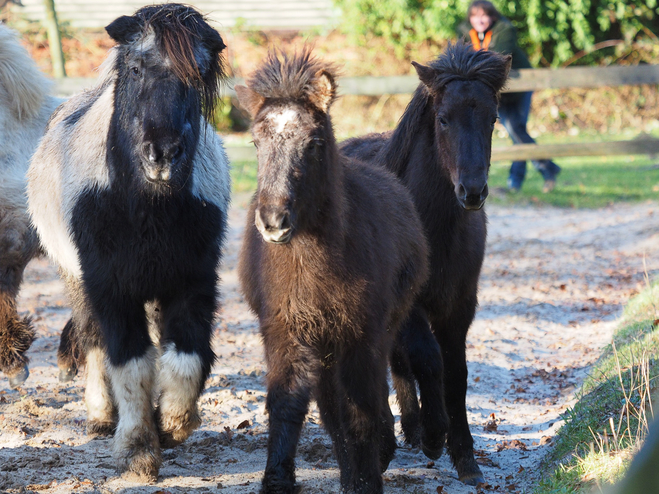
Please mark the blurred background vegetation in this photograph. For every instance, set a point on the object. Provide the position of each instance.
(553, 32)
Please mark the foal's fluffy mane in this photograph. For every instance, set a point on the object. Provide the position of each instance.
(179, 29)
(460, 62)
(25, 86)
(282, 76)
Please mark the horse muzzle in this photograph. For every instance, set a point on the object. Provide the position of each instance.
(472, 198)
(157, 174)
(274, 225)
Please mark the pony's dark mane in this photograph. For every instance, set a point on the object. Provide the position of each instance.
(178, 29)
(289, 77)
(459, 62)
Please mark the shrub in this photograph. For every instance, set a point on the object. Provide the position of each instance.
(553, 32)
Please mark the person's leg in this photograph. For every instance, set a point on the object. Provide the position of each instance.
(516, 127)
(509, 117)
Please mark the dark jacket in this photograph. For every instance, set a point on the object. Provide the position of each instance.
(504, 40)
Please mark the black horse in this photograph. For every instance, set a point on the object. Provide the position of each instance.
(441, 150)
(333, 256)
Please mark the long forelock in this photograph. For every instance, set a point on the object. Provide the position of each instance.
(289, 77)
(460, 62)
(178, 34)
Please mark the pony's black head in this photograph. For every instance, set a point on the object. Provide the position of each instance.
(168, 68)
(464, 85)
(289, 99)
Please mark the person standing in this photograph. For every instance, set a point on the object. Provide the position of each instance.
(487, 29)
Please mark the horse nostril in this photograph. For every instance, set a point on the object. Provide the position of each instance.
(151, 152)
(176, 152)
(285, 221)
(485, 192)
(461, 192)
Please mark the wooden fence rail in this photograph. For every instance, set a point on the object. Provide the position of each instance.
(520, 80)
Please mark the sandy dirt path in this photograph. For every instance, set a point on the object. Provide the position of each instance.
(553, 284)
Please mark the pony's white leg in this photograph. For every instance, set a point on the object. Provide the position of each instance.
(136, 446)
(101, 413)
(181, 379)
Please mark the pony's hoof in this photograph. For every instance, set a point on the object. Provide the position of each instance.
(174, 430)
(19, 378)
(471, 474)
(67, 375)
(139, 459)
(100, 428)
(432, 453)
(433, 445)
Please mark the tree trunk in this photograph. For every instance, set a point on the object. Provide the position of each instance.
(56, 53)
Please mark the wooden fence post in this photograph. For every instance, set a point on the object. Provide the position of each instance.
(54, 40)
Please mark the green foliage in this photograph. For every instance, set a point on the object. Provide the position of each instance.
(552, 31)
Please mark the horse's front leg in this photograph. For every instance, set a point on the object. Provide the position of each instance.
(291, 376)
(451, 332)
(131, 369)
(185, 363)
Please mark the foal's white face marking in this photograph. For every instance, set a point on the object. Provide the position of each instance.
(283, 118)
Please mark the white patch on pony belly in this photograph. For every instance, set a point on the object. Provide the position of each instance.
(282, 119)
(132, 386)
(180, 380)
(97, 394)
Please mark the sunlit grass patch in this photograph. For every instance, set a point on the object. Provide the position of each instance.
(608, 424)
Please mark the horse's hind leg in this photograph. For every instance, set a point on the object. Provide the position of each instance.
(416, 358)
(70, 356)
(16, 333)
(185, 363)
(361, 375)
(81, 341)
(451, 332)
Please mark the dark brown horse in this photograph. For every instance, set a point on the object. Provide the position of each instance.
(332, 259)
(441, 150)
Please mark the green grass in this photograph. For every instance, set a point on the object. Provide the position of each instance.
(243, 176)
(589, 182)
(578, 461)
(585, 182)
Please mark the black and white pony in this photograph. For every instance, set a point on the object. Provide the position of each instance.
(25, 106)
(128, 192)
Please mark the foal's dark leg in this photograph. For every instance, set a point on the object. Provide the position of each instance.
(328, 405)
(451, 332)
(425, 360)
(186, 361)
(361, 374)
(388, 443)
(291, 372)
(69, 354)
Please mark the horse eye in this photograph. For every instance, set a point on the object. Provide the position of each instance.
(135, 70)
(442, 121)
(494, 120)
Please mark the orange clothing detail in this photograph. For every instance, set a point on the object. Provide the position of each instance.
(477, 42)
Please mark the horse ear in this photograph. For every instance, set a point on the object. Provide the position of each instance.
(324, 90)
(249, 100)
(508, 61)
(124, 29)
(425, 73)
